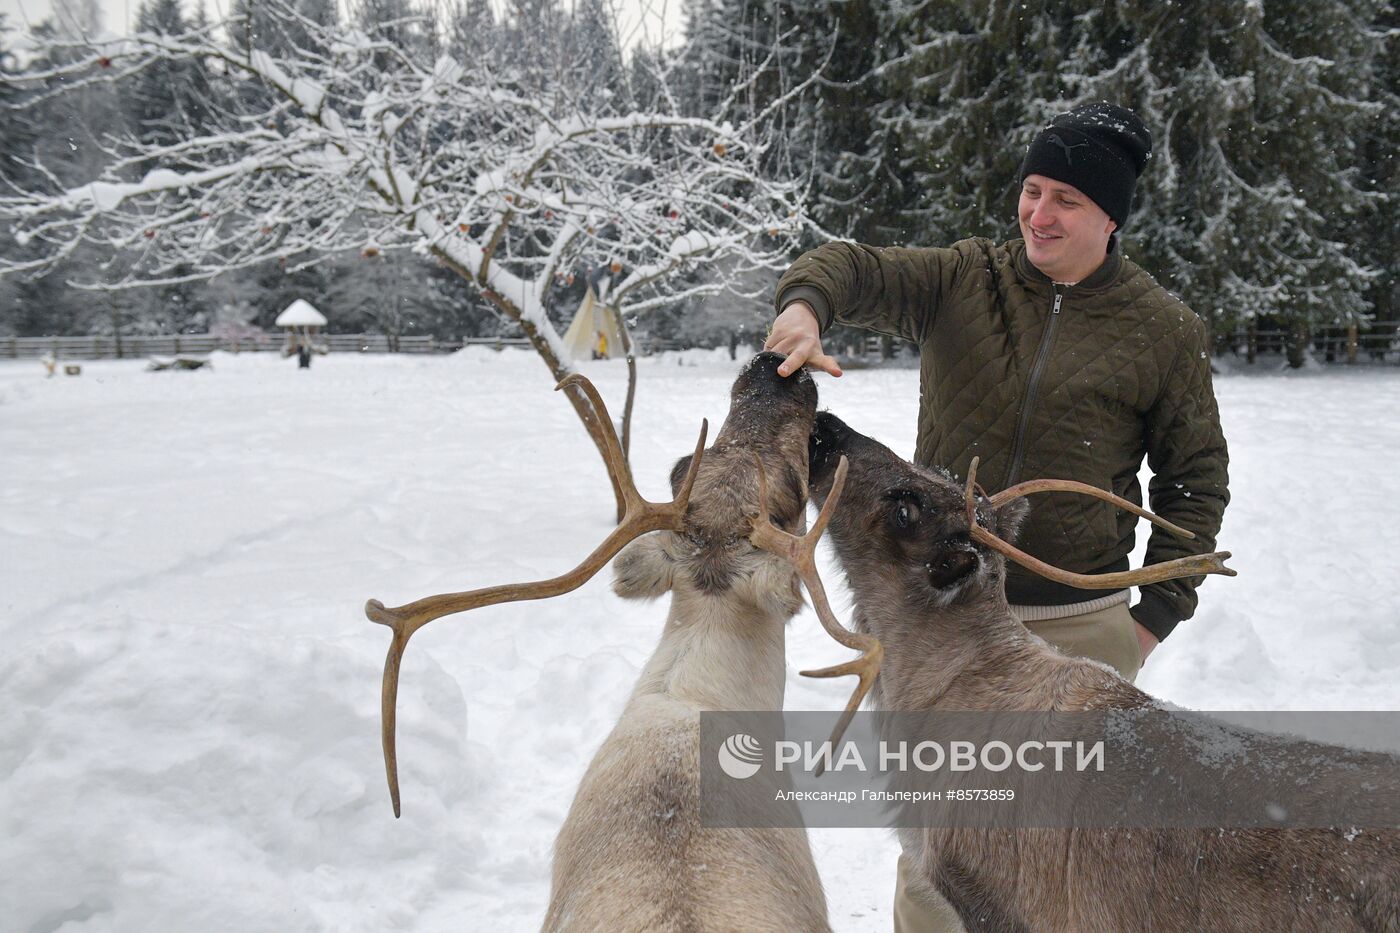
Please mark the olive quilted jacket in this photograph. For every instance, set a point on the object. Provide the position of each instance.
(1045, 380)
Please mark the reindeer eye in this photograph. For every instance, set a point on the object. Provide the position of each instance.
(906, 512)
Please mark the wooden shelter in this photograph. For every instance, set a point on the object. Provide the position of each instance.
(303, 322)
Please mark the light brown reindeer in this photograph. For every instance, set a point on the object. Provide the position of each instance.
(632, 854)
(926, 564)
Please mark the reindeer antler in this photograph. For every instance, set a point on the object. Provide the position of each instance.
(801, 552)
(640, 518)
(1193, 566)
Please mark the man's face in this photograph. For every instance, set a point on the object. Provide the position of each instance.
(1066, 233)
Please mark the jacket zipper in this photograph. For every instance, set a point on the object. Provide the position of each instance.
(1042, 357)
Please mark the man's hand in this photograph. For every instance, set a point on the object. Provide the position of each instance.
(1146, 640)
(797, 333)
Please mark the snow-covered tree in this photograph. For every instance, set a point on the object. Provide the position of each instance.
(17, 130)
(1255, 199)
(1253, 204)
(16, 138)
(1380, 169)
(594, 48)
(401, 29)
(293, 29)
(77, 19)
(738, 316)
(839, 130)
(170, 100)
(165, 103)
(393, 293)
(965, 86)
(510, 187)
(473, 34)
(296, 27)
(54, 133)
(750, 56)
(852, 186)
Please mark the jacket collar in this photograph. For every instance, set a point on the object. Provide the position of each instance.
(1101, 278)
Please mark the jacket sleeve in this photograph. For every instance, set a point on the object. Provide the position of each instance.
(892, 290)
(1189, 462)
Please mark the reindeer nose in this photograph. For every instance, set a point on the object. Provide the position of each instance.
(764, 366)
(760, 376)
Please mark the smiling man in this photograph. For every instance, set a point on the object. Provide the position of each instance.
(1048, 356)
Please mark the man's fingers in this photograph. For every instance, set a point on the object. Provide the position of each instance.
(795, 358)
(801, 348)
(779, 338)
(802, 355)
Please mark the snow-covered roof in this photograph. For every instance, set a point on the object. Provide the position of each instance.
(300, 314)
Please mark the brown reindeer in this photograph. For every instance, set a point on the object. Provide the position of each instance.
(925, 565)
(632, 854)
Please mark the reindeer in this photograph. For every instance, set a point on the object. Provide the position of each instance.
(632, 854)
(925, 560)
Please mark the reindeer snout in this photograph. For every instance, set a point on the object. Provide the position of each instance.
(951, 562)
(760, 377)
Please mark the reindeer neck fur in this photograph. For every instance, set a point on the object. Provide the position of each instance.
(717, 653)
(929, 649)
(973, 654)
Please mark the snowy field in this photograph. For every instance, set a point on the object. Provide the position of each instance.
(190, 736)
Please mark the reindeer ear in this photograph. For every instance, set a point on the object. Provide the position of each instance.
(643, 570)
(825, 445)
(678, 472)
(1009, 518)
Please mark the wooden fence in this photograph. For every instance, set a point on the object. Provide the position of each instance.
(99, 348)
(1379, 342)
(1374, 342)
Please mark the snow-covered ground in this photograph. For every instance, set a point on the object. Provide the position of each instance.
(190, 689)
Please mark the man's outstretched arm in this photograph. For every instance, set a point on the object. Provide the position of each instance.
(890, 290)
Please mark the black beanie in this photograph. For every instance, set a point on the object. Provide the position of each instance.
(1099, 148)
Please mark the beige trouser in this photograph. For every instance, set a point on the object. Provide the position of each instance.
(1108, 635)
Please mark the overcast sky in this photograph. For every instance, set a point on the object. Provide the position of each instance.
(639, 19)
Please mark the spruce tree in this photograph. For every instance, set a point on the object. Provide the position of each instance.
(67, 135)
(472, 32)
(17, 131)
(1380, 174)
(851, 189)
(758, 51)
(165, 103)
(965, 86)
(168, 100)
(1254, 193)
(280, 27)
(595, 54)
(532, 57)
(16, 139)
(402, 24)
(1263, 179)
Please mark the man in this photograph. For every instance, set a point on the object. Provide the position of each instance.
(1046, 356)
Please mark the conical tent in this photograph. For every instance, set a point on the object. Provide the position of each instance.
(595, 332)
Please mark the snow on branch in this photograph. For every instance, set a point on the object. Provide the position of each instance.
(512, 184)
